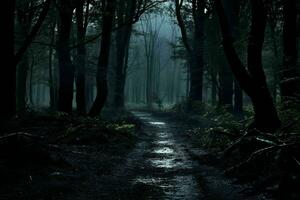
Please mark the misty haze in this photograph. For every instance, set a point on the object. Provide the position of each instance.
(150, 99)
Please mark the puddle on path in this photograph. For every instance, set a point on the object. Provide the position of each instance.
(164, 150)
(157, 123)
(164, 142)
(163, 162)
(162, 182)
(162, 135)
(167, 156)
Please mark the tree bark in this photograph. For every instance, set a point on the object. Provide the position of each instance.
(197, 67)
(236, 27)
(24, 23)
(52, 90)
(238, 99)
(66, 68)
(31, 99)
(103, 61)
(81, 59)
(22, 73)
(226, 86)
(253, 81)
(125, 14)
(8, 74)
(290, 77)
(29, 39)
(194, 52)
(214, 86)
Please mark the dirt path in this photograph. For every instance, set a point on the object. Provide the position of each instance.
(163, 164)
(162, 167)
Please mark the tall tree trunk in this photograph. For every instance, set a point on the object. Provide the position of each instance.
(198, 63)
(236, 27)
(265, 111)
(238, 99)
(276, 68)
(38, 94)
(289, 85)
(178, 86)
(52, 91)
(125, 69)
(31, 82)
(150, 34)
(66, 68)
(24, 23)
(290, 77)
(226, 86)
(8, 74)
(214, 86)
(81, 58)
(103, 61)
(125, 12)
(195, 52)
(225, 74)
(253, 81)
(34, 31)
(188, 81)
(171, 88)
(149, 83)
(22, 72)
(189, 50)
(122, 42)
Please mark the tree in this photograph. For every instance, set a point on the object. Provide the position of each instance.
(197, 68)
(151, 29)
(125, 19)
(82, 23)
(23, 26)
(236, 24)
(25, 13)
(212, 52)
(34, 31)
(253, 80)
(226, 84)
(8, 76)
(52, 83)
(66, 67)
(108, 14)
(194, 52)
(290, 76)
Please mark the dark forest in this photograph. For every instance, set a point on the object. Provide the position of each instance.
(150, 99)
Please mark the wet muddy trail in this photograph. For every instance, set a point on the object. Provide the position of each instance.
(162, 166)
(163, 163)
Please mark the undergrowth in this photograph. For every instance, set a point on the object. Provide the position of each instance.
(270, 161)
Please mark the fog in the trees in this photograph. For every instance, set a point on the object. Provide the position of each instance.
(149, 99)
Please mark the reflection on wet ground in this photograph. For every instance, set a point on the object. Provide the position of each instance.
(157, 123)
(163, 160)
(164, 165)
(164, 150)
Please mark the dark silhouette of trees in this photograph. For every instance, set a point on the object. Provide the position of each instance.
(125, 18)
(74, 25)
(195, 51)
(253, 80)
(290, 72)
(34, 31)
(226, 84)
(82, 23)
(197, 68)
(8, 76)
(53, 93)
(108, 13)
(66, 67)
(27, 32)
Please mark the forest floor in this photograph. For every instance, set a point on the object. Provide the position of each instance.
(157, 161)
